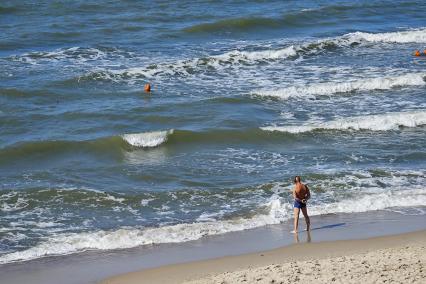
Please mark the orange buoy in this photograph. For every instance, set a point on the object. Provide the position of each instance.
(416, 53)
(147, 88)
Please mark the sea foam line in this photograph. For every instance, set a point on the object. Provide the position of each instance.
(236, 58)
(331, 88)
(278, 210)
(416, 35)
(379, 122)
(76, 54)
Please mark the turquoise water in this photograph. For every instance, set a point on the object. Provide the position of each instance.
(246, 94)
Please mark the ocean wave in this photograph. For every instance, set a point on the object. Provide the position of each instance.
(75, 54)
(336, 193)
(330, 88)
(118, 144)
(379, 122)
(129, 142)
(276, 210)
(295, 18)
(253, 55)
(147, 139)
(372, 202)
(415, 35)
(128, 238)
(269, 54)
(111, 144)
(190, 67)
(234, 58)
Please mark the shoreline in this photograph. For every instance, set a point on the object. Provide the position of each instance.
(94, 266)
(237, 269)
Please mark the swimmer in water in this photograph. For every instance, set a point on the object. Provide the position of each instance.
(301, 194)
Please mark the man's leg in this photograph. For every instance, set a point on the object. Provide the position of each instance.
(296, 219)
(308, 221)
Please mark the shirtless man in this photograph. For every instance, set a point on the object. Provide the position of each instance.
(301, 195)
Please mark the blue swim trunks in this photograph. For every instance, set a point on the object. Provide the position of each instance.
(298, 204)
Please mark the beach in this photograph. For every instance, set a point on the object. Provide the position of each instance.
(100, 176)
(390, 259)
(347, 234)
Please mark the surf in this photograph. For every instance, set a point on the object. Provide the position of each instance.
(313, 91)
(379, 122)
(363, 191)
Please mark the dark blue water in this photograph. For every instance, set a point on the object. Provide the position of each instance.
(245, 95)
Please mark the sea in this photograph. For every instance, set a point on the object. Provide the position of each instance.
(245, 95)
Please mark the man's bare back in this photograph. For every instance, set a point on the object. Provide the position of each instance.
(301, 192)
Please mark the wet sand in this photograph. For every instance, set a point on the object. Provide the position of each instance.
(400, 258)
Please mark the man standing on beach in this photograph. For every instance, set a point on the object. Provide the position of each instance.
(301, 195)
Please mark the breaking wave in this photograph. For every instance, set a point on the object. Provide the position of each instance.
(416, 35)
(147, 139)
(259, 54)
(111, 144)
(330, 88)
(380, 122)
(275, 211)
(130, 141)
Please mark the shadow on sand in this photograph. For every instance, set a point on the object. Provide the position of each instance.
(328, 226)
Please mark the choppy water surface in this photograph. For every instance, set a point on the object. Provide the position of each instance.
(246, 94)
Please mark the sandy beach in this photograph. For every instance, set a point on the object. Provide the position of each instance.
(390, 259)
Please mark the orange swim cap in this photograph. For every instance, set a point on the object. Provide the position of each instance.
(147, 88)
(416, 53)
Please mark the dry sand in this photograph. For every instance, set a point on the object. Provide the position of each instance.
(400, 265)
(390, 259)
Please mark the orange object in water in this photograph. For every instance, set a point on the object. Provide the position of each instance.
(416, 53)
(147, 88)
(424, 52)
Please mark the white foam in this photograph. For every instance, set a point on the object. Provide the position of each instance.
(363, 198)
(145, 202)
(20, 203)
(147, 139)
(181, 67)
(113, 198)
(238, 58)
(380, 122)
(76, 54)
(278, 212)
(331, 88)
(126, 238)
(374, 201)
(417, 35)
(236, 55)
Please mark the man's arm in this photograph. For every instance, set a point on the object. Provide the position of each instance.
(308, 193)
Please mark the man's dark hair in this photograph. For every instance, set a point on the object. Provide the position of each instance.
(297, 179)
